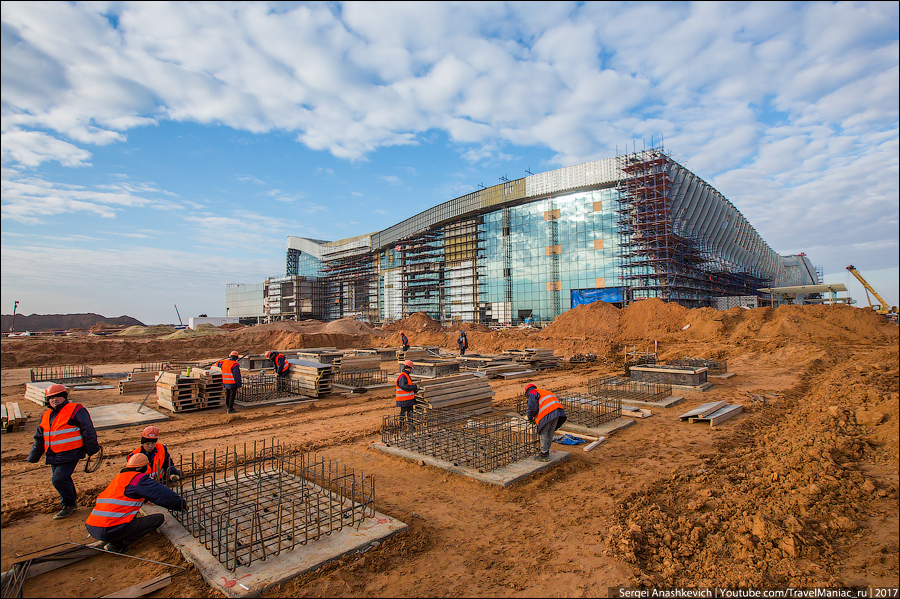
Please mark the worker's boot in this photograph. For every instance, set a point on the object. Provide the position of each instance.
(543, 457)
(65, 512)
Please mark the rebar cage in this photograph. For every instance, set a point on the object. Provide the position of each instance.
(65, 375)
(713, 366)
(481, 442)
(248, 504)
(613, 387)
(361, 377)
(580, 408)
(264, 387)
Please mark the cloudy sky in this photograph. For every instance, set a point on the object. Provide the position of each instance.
(153, 152)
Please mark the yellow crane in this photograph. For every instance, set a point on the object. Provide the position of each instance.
(878, 308)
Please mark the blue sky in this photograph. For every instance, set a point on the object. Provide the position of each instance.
(152, 153)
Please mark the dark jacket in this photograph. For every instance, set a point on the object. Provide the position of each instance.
(462, 342)
(168, 464)
(534, 404)
(144, 488)
(405, 341)
(403, 384)
(82, 420)
(279, 361)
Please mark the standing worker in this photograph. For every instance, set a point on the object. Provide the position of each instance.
(544, 410)
(161, 468)
(463, 343)
(282, 367)
(67, 434)
(406, 398)
(114, 517)
(405, 341)
(231, 379)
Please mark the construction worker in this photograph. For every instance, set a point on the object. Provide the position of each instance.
(231, 379)
(282, 367)
(547, 413)
(406, 390)
(114, 518)
(67, 434)
(162, 468)
(404, 340)
(462, 342)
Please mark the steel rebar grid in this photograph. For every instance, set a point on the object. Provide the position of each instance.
(150, 367)
(66, 375)
(485, 442)
(713, 366)
(264, 387)
(613, 387)
(586, 410)
(250, 506)
(361, 377)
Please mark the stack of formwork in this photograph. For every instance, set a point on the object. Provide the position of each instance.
(35, 392)
(326, 355)
(356, 362)
(414, 353)
(178, 393)
(464, 392)
(209, 384)
(312, 378)
(431, 369)
(138, 382)
(537, 358)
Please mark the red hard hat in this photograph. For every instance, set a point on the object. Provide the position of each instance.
(55, 389)
(137, 460)
(234, 354)
(530, 386)
(269, 354)
(408, 363)
(151, 432)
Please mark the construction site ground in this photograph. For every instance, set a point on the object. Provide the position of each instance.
(799, 490)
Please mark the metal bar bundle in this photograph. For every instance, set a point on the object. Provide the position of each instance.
(586, 410)
(249, 504)
(65, 375)
(361, 377)
(484, 443)
(613, 387)
(713, 366)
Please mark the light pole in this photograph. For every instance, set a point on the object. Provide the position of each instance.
(13, 326)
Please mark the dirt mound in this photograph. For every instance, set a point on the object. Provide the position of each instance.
(59, 322)
(203, 330)
(231, 326)
(416, 323)
(350, 326)
(142, 331)
(469, 327)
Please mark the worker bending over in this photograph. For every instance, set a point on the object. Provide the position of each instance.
(282, 367)
(115, 519)
(67, 434)
(161, 468)
(404, 340)
(231, 379)
(406, 394)
(544, 410)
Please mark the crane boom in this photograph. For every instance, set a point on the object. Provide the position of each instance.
(179, 315)
(881, 308)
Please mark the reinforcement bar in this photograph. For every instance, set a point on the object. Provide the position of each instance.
(584, 409)
(361, 377)
(265, 387)
(712, 366)
(65, 375)
(248, 504)
(613, 387)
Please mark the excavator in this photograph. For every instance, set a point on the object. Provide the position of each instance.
(877, 308)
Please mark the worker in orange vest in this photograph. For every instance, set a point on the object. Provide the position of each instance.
(231, 379)
(406, 394)
(162, 468)
(547, 413)
(115, 519)
(67, 434)
(282, 367)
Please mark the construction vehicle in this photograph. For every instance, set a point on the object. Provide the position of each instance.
(877, 308)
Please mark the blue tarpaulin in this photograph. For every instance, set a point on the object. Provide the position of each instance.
(589, 296)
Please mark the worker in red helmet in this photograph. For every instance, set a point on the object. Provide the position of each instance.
(282, 367)
(66, 433)
(115, 519)
(161, 468)
(231, 379)
(404, 340)
(547, 413)
(406, 394)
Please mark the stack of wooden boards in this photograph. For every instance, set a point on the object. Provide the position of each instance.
(713, 412)
(138, 382)
(178, 392)
(356, 362)
(460, 392)
(12, 416)
(537, 358)
(35, 392)
(313, 378)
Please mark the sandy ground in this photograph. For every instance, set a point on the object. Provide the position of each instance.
(799, 491)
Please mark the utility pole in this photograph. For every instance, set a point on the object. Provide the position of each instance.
(12, 328)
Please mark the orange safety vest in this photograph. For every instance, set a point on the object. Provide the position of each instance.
(61, 436)
(156, 466)
(546, 404)
(401, 394)
(227, 375)
(285, 365)
(113, 507)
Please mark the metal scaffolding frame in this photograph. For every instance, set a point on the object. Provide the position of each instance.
(251, 504)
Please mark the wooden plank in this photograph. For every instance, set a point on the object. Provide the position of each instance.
(590, 446)
(703, 410)
(75, 555)
(724, 414)
(144, 588)
(579, 435)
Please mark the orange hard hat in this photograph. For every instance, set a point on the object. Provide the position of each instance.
(55, 389)
(408, 363)
(269, 354)
(234, 354)
(137, 460)
(151, 432)
(530, 386)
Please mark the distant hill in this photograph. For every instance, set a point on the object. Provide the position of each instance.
(58, 322)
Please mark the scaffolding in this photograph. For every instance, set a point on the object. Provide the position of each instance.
(351, 283)
(583, 409)
(484, 443)
(294, 298)
(421, 258)
(251, 504)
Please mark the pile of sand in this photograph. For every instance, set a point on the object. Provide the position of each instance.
(142, 331)
(350, 326)
(202, 330)
(416, 323)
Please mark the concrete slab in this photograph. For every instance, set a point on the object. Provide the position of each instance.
(727, 375)
(599, 431)
(704, 387)
(120, 415)
(250, 581)
(666, 403)
(502, 477)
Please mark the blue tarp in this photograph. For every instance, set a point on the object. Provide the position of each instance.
(589, 296)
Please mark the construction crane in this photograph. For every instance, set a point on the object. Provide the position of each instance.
(878, 308)
(179, 316)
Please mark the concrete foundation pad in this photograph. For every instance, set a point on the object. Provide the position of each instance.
(123, 414)
(727, 375)
(703, 387)
(502, 477)
(666, 403)
(268, 402)
(250, 581)
(599, 431)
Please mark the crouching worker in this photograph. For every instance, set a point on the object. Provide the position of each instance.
(162, 468)
(115, 519)
(547, 413)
